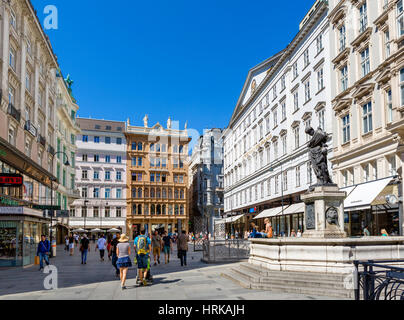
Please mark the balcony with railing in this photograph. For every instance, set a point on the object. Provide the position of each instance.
(12, 111)
(42, 140)
(30, 128)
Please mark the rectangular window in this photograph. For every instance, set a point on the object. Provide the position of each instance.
(284, 144)
(118, 193)
(107, 175)
(13, 19)
(387, 44)
(107, 159)
(84, 192)
(119, 176)
(367, 118)
(402, 86)
(365, 62)
(307, 90)
(319, 43)
(84, 174)
(342, 38)
(107, 140)
(96, 193)
(275, 117)
(306, 57)
(84, 158)
(96, 175)
(363, 17)
(298, 176)
(118, 212)
(118, 140)
(85, 138)
(107, 212)
(400, 18)
(96, 139)
(96, 158)
(96, 212)
(295, 72)
(118, 159)
(107, 193)
(321, 119)
(12, 59)
(346, 129)
(344, 78)
(320, 79)
(296, 100)
(389, 106)
(296, 132)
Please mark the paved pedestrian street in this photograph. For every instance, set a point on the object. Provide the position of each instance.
(96, 280)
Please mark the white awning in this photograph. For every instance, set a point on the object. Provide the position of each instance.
(364, 194)
(233, 219)
(294, 208)
(348, 190)
(270, 212)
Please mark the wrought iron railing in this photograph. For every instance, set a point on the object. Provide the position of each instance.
(11, 110)
(379, 280)
(42, 140)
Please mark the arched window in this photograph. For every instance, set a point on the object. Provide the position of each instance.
(139, 193)
(133, 145)
(146, 209)
(158, 209)
(134, 209)
(182, 194)
(140, 146)
(170, 194)
(176, 194)
(134, 193)
(139, 209)
(152, 193)
(164, 209)
(152, 209)
(181, 210)
(164, 193)
(176, 209)
(146, 193)
(170, 209)
(158, 195)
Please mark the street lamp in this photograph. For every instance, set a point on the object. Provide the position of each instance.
(53, 179)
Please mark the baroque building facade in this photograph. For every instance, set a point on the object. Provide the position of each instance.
(206, 178)
(367, 99)
(100, 176)
(157, 178)
(266, 163)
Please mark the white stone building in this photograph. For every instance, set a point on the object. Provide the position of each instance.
(100, 176)
(265, 156)
(367, 89)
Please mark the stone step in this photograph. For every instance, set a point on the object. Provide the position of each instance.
(316, 291)
(286, 280)
(263, 272)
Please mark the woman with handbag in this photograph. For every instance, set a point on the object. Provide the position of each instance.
(123, 263)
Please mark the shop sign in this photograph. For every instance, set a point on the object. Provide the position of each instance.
(44, 207)
(11, 180)
(3, 153)
(11, 210)
(9, 202)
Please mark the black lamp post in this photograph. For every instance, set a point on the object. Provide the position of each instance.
(53, 180)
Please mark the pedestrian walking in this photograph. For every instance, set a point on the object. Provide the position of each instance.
(84, 248)
(114, 255)
(76, 239)
(43, 251)
(71, 244)
(182, 247)
(109, 248)
(101, 246)
(143, 248)
(156, 244)
(67, 243)
(123, 262)
(167, 247)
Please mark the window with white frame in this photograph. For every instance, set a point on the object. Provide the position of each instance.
(285, 180)
(320, 79)
(261, 130)
(262, 190)
(309, 173)
(268, 152)
(363, 17)
(400, 18)
(346, 129)
(387, 44)
(297, 171)
(267, 124)
(389, 101)
(29, 48)
(269, 187)
(275, 117)
(366, 172)
(367, 117)
(306, 57)
(296, 133)
(344, 78)
(284, 144)
(11, 95)
(345, 178)
(276, 149)
(283, 108)
(393, 165)
(28, 81)
(319, 43)
(12, 58)
(402, 86)
(307, 91)
(295, 71)
(277, 184)
(375, 174)
(307, 124)
(296, 100)
(342, 38)
(283, 82)
(13, 19)
(365, 62)
(321, 118)
(275, 93)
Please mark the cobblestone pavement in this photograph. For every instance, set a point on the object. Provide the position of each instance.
(97, 280)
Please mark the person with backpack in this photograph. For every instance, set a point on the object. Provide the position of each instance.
(143, 248)
(43, 251)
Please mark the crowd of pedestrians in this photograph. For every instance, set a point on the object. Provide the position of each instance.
(117, 247)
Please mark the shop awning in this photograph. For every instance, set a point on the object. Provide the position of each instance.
(294, 208)
(233, 219)
(270, 212)
(348, 190)
(364, 194)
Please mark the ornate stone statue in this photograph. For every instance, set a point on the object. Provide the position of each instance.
(318, 155)
(145, 120)
(169, 123)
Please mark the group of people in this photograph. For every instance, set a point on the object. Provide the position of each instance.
(383, 232)
(268, 232)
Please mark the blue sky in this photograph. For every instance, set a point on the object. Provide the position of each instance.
(184, 59)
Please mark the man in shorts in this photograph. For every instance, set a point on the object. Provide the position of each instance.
(156, 244)
(167, 247)
(142, 245)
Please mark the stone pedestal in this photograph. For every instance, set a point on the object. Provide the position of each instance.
(324, 212)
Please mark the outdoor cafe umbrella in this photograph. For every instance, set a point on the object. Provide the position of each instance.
(96, 230)
(80, 230)
(114, 230)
